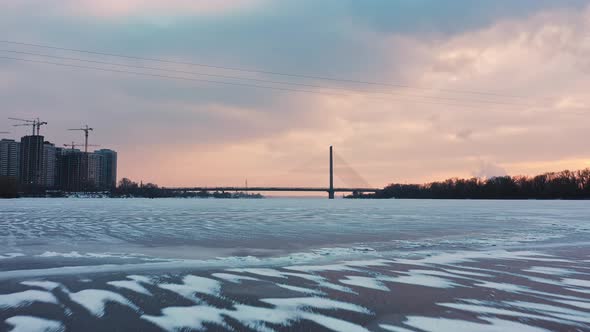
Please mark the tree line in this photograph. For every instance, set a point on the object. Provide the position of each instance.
(9, 188)
(129, 188)
(556, 185)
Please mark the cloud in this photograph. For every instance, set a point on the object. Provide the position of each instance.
(137, 8)
(488, 170)
(532, 62)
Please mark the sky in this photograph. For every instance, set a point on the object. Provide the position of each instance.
(407, 91)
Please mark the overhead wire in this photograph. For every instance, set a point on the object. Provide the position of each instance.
(285, 89)
(257, 71)
(263, 80)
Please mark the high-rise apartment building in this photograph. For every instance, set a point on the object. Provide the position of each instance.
(59, 152)
(94, 171)
(71, 165)
(38, 165)
(48, 167)
(31, 160)
(108, 177)
(81, 171)
(9, 158)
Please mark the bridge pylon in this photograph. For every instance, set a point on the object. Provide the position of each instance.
(331, 189)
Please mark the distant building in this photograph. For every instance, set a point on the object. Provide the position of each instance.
(59, 152)
(31, 160)
(9, 158)
(108, 176)
(48, 166)
(80, 171)
(38, 165)
(94, 170)
(71, 163)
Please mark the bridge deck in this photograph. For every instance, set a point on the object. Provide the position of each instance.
(274, 189)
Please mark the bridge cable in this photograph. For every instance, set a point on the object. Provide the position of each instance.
(347, 174)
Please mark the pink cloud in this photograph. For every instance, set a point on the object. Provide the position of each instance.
(126, 8)
(543, 58)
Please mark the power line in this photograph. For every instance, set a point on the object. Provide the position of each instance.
(256, 71)
(228, 83)
(261, 80)
(159, 75)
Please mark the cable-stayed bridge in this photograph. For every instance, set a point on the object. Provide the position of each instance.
(331, 190)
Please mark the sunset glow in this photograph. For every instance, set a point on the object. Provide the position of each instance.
(505, 88)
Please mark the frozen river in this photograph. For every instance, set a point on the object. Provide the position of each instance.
(294, 264)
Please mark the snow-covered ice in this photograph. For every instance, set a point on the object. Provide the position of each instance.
(267, 265)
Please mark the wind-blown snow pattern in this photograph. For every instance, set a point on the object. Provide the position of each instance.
(365, 285)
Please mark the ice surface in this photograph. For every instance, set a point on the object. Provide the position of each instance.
(193, 285)
(451, 258)
(130, 285)
(453, 325)
(301, 263)
(33, 324)
(256, 317)
(140, 279)
(26, 298)
(286, 312)
(542, 280)
(320, 281)
(468, 273)
(505, 287)
(322, 268)
(345, 266)
(392, 328)
(185, 318)
(554, 271)
(421, 280)
(95, 300)
(579, 304)
(553, 310)
(365, 282)
(289, 310)
(267, 224)
(577, 282)
(11, 255)
(47, 285)
(260, 271)
(301, 289)
(233, 277)
(565, 310)
(482, 309)
(333, 324)
(76, 254)
(315, 302)
(73, 254)
(578, 290)
(439, 274)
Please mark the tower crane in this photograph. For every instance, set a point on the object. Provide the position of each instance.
(39, 124)
(35, 123)
(26, 124)
(86, 130)
(32, 123)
